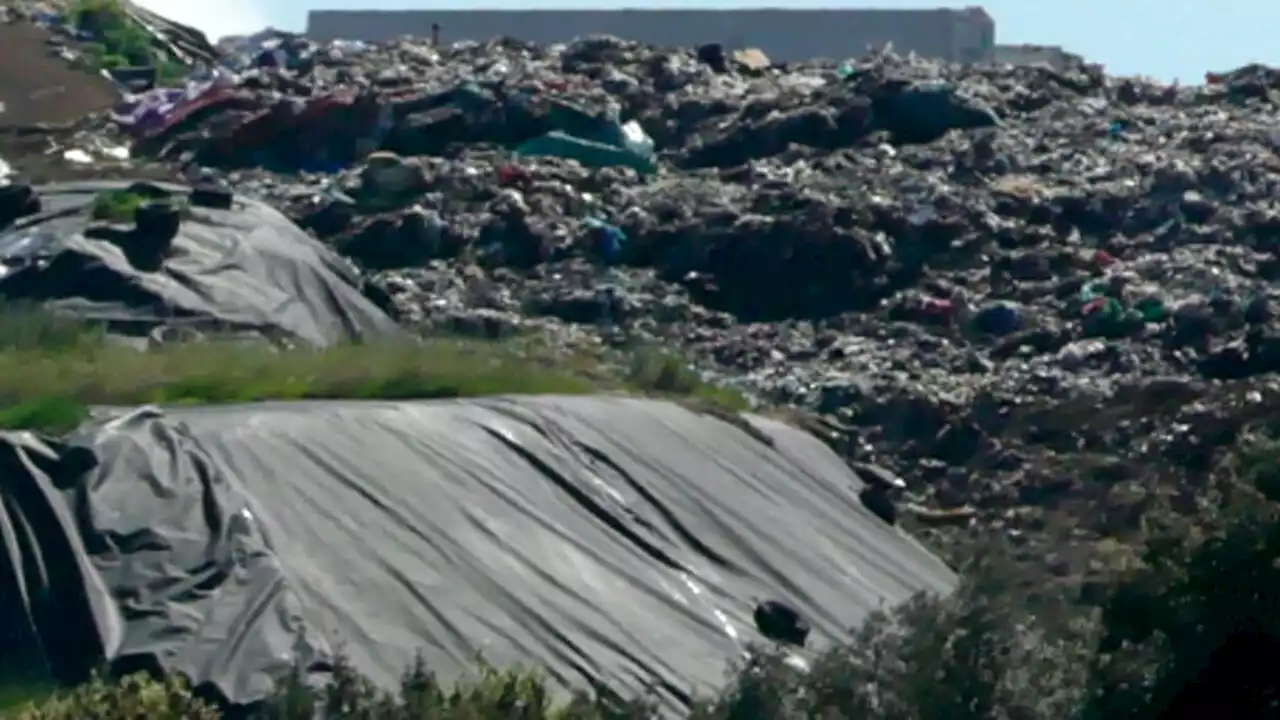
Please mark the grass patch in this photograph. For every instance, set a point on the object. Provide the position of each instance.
(118, 206)
(121, 206)
(52, 370)
(118, 42)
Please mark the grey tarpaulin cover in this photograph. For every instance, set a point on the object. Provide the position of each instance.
(609, 540)
(244, 269)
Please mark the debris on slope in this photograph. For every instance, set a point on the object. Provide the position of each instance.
(41, 81)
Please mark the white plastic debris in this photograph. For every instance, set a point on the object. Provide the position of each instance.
(76, 155)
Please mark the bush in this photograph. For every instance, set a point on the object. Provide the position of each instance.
(118, 41)
(135, 696)
(976, 655)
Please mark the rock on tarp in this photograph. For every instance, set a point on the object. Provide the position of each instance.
(244, 269)
(607, 540)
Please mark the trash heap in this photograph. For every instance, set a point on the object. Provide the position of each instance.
(1018, 288)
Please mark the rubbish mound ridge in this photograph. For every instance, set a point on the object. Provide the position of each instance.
(1019, 288)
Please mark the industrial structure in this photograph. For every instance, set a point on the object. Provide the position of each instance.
(958, 35)
(1053, 56)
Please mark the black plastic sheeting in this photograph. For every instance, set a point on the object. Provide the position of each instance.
(614, 542)
(248, 269)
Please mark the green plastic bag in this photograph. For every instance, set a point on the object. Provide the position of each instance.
(574, 122)
(590, 154)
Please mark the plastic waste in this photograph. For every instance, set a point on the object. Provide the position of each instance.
(1079, 352)
(511, 175)
(470, 97)
(938, 308)
(590, 154)
(611, 239)
(1102, 307)
(76, 155)
(572, 119)
(927, 111)
(1259, 311)
(636, 140)
(751, 58)
(1221, 301)
(1151, 309)
(1091, 291)
(999, 319)
(1106, 317)
(593, 140)
(134, 79)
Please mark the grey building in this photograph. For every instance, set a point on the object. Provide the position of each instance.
(1052, 55)
(966, 35)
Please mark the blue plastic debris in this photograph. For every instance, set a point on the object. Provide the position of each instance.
(998, 320)
(611, 239)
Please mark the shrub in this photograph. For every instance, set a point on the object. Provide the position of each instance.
(135, 696)
(119, 41)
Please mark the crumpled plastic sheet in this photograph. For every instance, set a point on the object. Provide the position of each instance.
(153, 110)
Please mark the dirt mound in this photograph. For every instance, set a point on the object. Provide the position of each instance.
(38, 86)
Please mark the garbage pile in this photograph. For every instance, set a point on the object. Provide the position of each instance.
(991, 279)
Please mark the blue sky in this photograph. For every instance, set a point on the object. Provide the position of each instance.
(1168, 39)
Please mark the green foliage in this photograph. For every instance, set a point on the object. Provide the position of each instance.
(121, 206)
(52, 369)
(116, 206)
(118, 41)
(665, 374)
(136, 696)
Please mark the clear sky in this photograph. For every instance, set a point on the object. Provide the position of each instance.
(1168, 39)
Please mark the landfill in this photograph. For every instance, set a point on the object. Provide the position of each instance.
(1038, 299)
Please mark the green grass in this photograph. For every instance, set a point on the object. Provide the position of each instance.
(118, 206)
(52, 371)
(119, 42)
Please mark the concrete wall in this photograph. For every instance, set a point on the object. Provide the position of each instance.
(785, 35)
(1052, 55)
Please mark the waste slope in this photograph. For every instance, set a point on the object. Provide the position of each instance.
(247, 269)
(184, 42)
(39, 86)
(615, 542)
